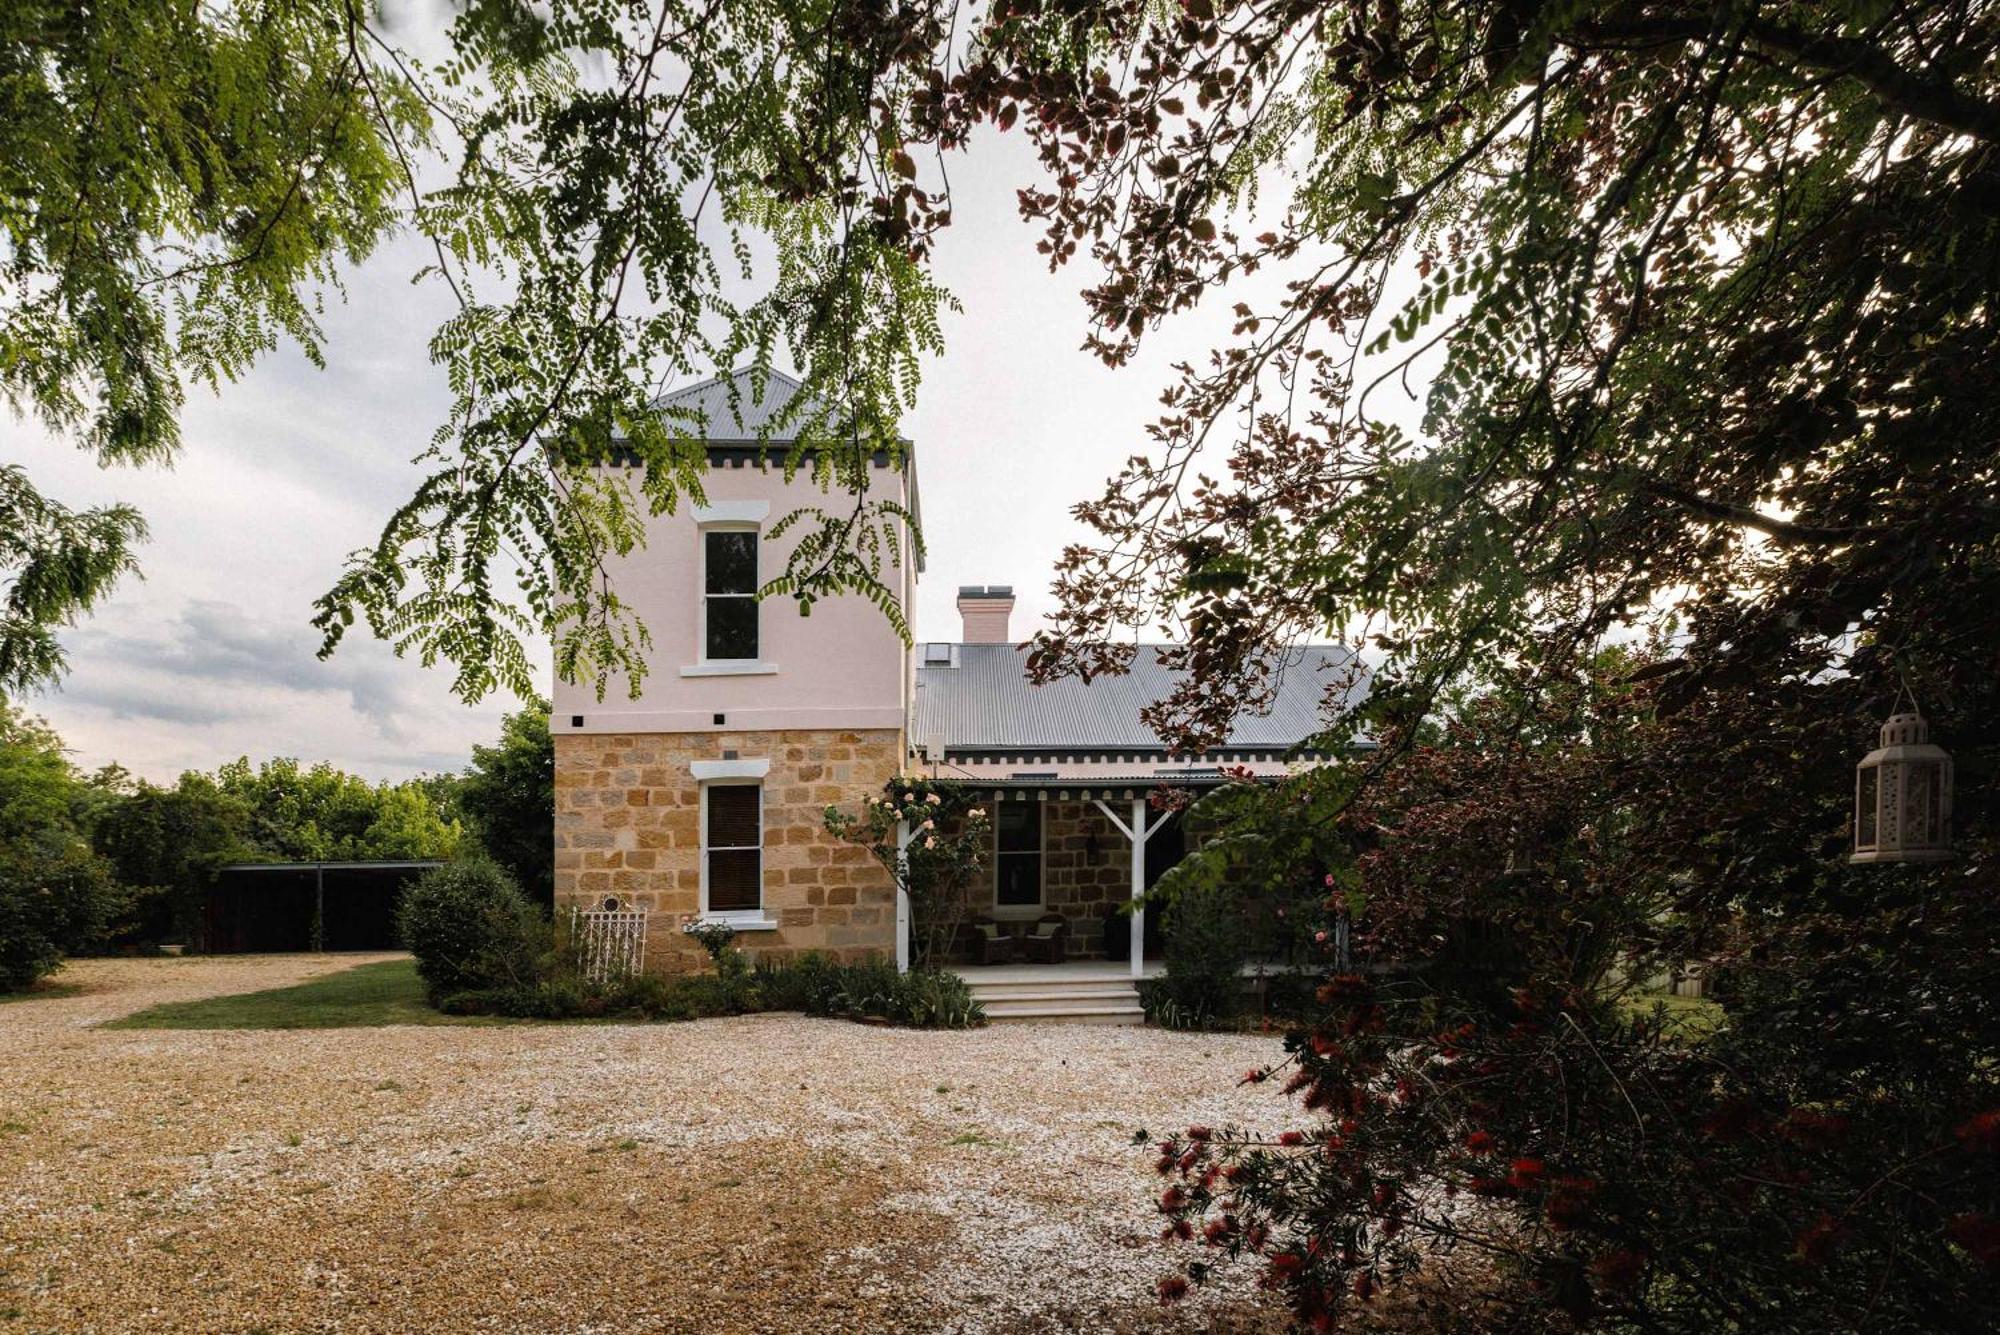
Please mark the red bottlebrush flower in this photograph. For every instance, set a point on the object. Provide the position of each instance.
(1324, 1046)
(1384, 1194)
(1569, 1201)
(1235, 1172)
(1979, 1236)
(1290, 1138)
(1981, 1132)
(1172, 1199)
(1364, 1286)
(1255, 1076)
(1183, 1230)
(1287, 1265)
(1479, 1142)
(1819, 1240)
(1173, 1288)
(1255, 1237)
(1527, 1173)
(1216, 1232)
(1299, 1080)
(1199, 1133)
(1621, 1270)
(1343, 987)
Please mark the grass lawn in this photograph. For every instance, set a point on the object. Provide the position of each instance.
(365, 996)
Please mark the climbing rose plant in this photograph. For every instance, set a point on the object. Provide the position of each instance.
(949, 840)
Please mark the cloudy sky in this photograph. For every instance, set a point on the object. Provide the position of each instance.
(211, 655)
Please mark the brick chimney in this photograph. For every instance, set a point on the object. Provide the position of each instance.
(985, 609)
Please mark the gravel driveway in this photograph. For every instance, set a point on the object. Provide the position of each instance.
(766, 1173)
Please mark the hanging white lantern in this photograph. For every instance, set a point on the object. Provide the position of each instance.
(1902, 796)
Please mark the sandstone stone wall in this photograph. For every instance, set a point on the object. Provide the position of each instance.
(628, 813)
(1081, 885)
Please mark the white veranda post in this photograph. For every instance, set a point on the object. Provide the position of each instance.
(902, 897)
(1136, 834)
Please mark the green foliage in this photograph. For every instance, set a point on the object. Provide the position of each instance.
(471, 929)
(176, 182)
(302, 813)
(813, 984)
(1207, 945)
(55, 564)
(921, 998)
(616, 194)
(56, 895)
(166, 844)
(508, 800)
(613, 150)
(949, 838)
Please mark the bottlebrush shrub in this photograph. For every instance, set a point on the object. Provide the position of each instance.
(939, 870)
(1483, 1086)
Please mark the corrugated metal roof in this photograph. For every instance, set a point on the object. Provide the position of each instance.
(707, 408)
(986, 702)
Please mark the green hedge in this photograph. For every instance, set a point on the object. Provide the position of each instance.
(472, 930)
(926, 999)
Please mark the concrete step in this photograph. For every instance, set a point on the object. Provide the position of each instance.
(1015, 1012)
(1077, 988)
(1053, 993)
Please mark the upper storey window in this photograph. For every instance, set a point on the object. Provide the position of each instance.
(729, 595)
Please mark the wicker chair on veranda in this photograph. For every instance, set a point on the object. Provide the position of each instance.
(991, 942)
(1046, 941)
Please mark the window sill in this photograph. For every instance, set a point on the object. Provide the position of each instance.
(746, 667)
(743, 923)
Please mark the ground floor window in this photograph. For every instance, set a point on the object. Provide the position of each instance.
(1017, 855)
(733, 847)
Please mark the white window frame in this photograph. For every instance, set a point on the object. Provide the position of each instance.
(735, 774)
(1041, 904)
(727, 517)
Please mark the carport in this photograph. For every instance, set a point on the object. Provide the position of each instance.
(269, 907)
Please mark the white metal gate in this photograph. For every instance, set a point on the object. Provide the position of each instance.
(612, 942)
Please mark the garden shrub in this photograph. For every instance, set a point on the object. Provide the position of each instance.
(472, 931)
(807, 984)
(927, 999)
(922, 998)
(56, 897)
(1206, 949)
